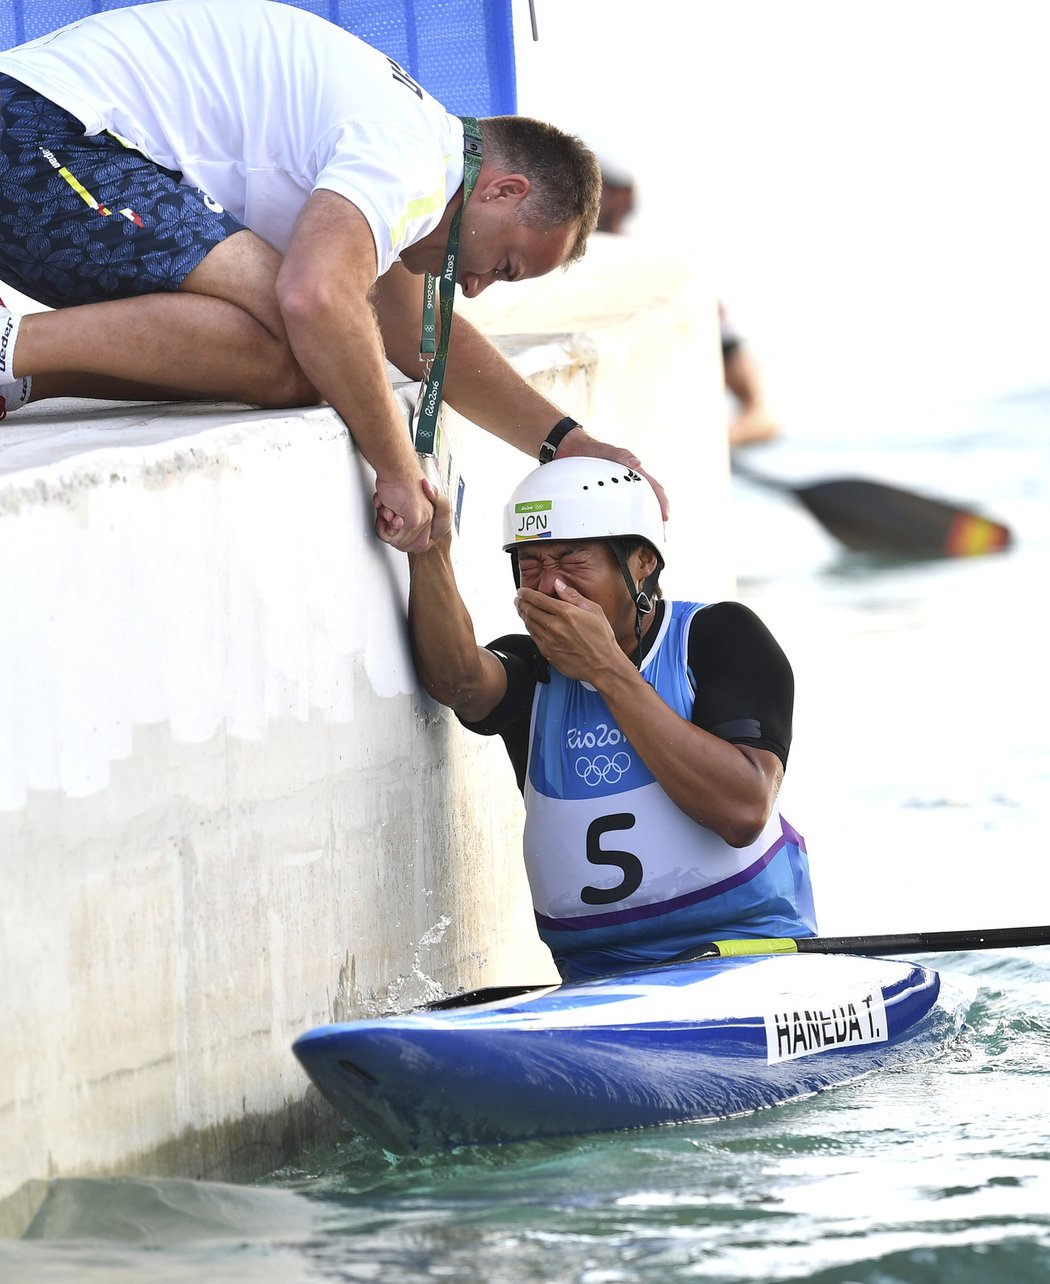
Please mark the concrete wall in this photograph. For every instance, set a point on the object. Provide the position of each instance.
(226, 812)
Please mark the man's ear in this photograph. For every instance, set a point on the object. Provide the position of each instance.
(645, 560)
(508, 187)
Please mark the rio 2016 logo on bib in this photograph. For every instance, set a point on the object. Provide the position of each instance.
(600, 738)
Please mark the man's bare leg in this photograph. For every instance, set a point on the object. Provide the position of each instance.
(219, 336)
(93, 387)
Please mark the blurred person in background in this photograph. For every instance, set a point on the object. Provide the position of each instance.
(752, 420)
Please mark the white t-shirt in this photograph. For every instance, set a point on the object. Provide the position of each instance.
(258, 104)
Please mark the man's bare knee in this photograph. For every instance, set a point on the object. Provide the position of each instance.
(284, 387)
(241, 270)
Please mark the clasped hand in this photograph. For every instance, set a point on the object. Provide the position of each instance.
(406, 515)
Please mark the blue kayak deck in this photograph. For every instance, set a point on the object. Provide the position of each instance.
(678, 1043)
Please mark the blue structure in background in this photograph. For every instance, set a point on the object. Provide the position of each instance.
(462, 51)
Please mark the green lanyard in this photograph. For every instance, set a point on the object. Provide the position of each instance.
(426, 418)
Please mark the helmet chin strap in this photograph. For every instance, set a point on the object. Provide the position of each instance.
(640, 613)
(642, 598)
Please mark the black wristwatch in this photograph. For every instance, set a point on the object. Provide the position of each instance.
(554, 438)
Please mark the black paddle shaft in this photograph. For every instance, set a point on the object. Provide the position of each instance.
(996, 938)
(992, 938)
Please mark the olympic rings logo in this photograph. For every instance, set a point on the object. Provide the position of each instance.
(603, 769)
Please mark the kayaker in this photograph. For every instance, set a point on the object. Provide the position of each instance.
(649, 737)
(242, 201)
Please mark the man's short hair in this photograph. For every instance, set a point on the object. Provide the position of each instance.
(565, 175)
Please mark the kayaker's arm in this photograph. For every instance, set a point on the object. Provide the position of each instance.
(729, 788)
(453, 669)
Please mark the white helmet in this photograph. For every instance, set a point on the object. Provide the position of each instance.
(583, 498)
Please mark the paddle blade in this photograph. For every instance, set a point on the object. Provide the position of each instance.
(872, 517)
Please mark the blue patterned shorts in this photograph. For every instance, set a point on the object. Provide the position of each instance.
(84, 218)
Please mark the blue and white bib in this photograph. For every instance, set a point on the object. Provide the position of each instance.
(618, 873)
